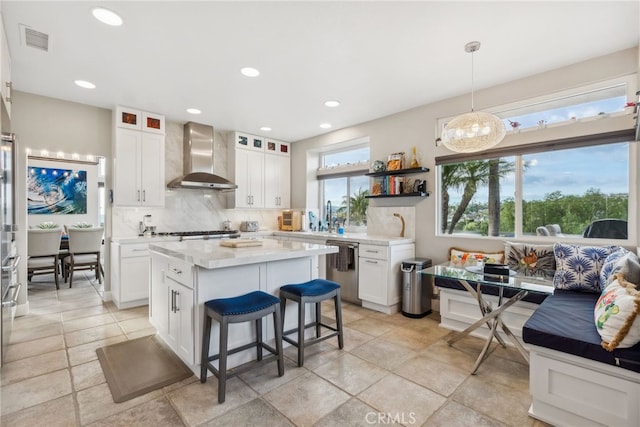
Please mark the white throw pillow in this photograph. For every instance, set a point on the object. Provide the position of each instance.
(616, 314)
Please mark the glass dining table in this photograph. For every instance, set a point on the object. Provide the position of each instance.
(477, 283)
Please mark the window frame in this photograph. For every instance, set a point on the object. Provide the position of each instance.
(547, 139)
(629, 81)
(341, 171)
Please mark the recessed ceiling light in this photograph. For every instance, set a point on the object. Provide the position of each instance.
(265, 128)
(85, 84)
(193, 111)
(107, 16)
(332, 103)
(325, 125)
(250, 72)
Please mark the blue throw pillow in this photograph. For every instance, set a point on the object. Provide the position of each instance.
(620, 261)
(578, 267)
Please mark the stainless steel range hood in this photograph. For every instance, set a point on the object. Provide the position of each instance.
(198, 161)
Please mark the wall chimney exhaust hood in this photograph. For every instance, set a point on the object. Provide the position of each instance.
(197, 158)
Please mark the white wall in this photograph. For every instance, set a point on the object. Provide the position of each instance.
(417, 127)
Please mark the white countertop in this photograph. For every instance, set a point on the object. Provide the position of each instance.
(209, 254)
(370, 239)
(144, 239)
(320, 237)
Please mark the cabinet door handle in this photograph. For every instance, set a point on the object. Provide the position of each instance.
(176, 308)
(138, 195)
(9, 86)
(173, 301)
(144, 195)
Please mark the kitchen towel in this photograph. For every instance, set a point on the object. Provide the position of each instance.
(341, 260)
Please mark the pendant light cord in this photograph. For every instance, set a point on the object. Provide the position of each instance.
(472, 108)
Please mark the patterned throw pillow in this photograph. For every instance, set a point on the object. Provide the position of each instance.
(620, 261)
(531, 260)
(578, 267)
(616, 314)
(464, 257)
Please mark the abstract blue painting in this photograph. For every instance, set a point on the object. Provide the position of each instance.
(56, 191)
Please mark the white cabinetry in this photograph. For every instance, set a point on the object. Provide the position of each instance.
(5, 69)
(261, 174)
(277, 181)
(130, 264)
(139, 159)
(249, 173)
(172, 305)
(380, 278)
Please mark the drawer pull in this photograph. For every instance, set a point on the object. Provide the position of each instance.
(176, 271)
(370, 262)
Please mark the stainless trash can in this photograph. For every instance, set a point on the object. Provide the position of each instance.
(416, 288)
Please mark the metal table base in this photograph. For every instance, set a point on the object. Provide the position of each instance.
(491, 317)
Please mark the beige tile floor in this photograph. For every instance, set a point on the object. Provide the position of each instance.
(392, 371)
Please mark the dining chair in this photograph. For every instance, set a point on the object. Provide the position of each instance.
(84, 252)
(43, 246)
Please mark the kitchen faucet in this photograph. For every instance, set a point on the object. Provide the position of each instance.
(397, 215)
(329, 214)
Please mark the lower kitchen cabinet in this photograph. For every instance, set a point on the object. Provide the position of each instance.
(380, 276)
(180, 320)
(130, 264)
(171, 308)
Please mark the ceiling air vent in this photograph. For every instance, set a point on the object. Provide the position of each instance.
(35, 39)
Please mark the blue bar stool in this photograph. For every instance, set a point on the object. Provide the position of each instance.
(244, 308)
(314, 291)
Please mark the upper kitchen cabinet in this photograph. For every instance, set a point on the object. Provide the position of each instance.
(246, 165)
(277, 174)
(261, 168)
(138, 158)
(5, 69)
(248, 142)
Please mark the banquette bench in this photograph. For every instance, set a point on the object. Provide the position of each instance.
(574, 381)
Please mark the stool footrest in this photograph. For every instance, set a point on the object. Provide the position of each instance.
(244, 347)
(311, 340)
(244, 367)
(309, 325)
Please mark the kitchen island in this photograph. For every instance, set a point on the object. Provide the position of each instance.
(184, 275)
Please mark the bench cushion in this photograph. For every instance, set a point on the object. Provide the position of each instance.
(564, 322)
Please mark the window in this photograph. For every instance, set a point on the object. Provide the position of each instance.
(582, 191)
(344, 186)
(568, 109)
(575, 187)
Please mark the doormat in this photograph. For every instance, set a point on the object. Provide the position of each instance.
(136, 367)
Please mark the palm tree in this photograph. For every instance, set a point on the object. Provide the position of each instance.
(357, 207)
(469, 176)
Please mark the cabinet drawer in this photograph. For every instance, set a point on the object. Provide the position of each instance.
(181, 272)
(372, 251)
(134, 250)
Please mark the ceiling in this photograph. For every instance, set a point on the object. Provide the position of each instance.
(376, 58)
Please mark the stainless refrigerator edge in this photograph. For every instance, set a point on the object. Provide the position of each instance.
(8, 253)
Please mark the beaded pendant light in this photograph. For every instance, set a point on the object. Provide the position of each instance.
(474, 131)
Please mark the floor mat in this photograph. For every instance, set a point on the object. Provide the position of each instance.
(139, 366)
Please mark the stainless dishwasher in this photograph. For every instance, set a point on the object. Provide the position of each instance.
(342, 267)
